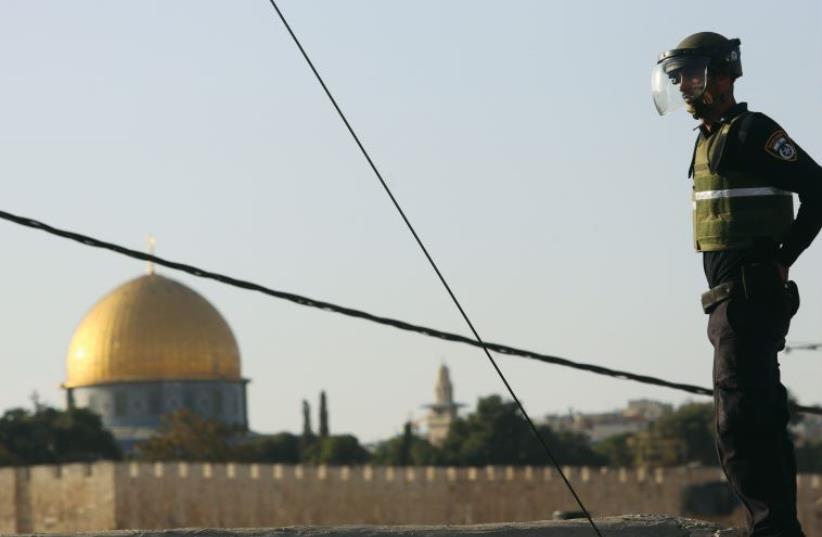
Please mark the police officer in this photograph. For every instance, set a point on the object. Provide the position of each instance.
(745, 168)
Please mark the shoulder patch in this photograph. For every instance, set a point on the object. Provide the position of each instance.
(780, 146)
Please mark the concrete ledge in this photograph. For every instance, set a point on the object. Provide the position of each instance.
(624, 526)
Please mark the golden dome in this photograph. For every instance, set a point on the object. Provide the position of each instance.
(152, 328)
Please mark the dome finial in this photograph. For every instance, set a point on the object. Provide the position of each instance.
(151, 243)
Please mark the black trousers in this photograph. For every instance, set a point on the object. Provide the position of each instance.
(753, 444)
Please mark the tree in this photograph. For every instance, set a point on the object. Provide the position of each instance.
(308, 432)
(49, 435)
(497, 433)
(340, 449)
(185, 436)
(407, 449)
(7, 458)
(405, 444)
(571, 448)
(79, 435)
(617, 450)
(494, 434)
(323, 415)
(279, 448)
(684, 436)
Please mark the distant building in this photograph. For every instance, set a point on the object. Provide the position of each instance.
(647, 409)
(443, 412)
(632, 419)
(151, 347)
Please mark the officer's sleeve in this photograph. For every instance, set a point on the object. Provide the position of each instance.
(769, 152)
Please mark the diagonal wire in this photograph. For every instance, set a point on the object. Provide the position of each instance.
(803, 347)
(436, 269)
(359, 314)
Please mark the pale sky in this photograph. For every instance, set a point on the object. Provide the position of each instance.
(520, 137)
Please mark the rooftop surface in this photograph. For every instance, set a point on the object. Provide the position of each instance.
(624, 526)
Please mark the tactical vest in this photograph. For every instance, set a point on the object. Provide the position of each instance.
(733, 209)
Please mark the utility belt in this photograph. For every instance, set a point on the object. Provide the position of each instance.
(758, 282)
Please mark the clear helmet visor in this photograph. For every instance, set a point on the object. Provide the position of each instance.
(676, 79)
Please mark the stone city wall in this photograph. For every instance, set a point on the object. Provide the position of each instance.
(72, 497)
(8, 501)
(80, 497)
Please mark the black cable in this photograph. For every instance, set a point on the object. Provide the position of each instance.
(803, 347)
(359, 314)
(436, 269)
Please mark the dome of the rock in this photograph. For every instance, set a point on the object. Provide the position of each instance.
(152, 328)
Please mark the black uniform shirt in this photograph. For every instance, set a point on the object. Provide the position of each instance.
(761, 147)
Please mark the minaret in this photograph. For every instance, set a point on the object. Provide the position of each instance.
(443, 412)
(444, 390)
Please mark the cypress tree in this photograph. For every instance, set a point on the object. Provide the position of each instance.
(307, 430)
(323, 415)
(405, 446)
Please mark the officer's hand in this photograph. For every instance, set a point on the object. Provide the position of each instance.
(783, 272)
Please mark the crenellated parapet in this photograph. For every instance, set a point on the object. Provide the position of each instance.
(413, 474)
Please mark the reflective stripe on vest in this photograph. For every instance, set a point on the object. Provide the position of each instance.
(740, 192)
(732, 210)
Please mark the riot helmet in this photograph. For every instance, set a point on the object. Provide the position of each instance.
(682, 73)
